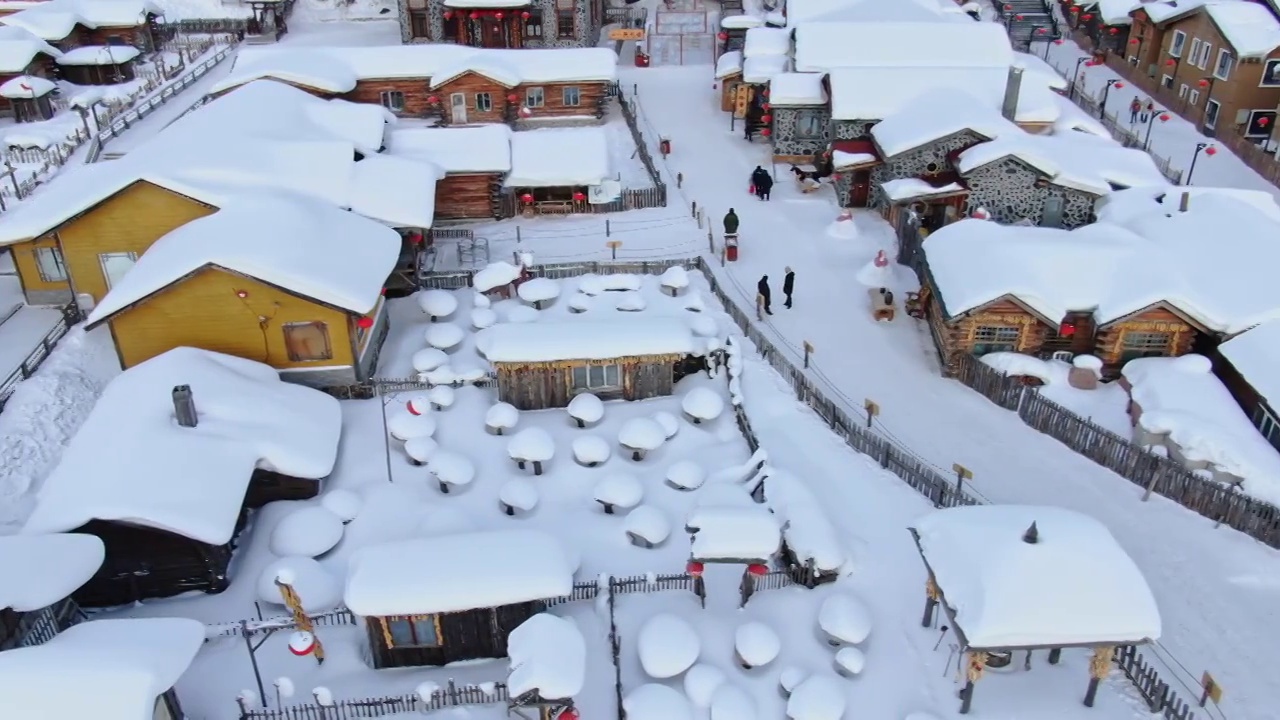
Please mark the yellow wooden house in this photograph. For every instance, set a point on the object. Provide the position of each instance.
(288, 281)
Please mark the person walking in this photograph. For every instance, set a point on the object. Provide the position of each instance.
(1135, 107)
(788, 285)
(758, 178)
(766, 185)
(731, 223)
(762, 298)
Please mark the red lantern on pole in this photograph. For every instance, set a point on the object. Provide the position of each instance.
(1066, 329)
(579, 196)
(1114, 31)
(1203, 83)
(766, 132)
(475, 15)
(694, 568)
(1041, 31)
(1007, 8)
(1059, 41)
(527, 199)
(1018, 17)
(364, 323)
(526, 15)
(836, 176)
(513, 98)
(765, 107)
(1087, 17)
(1211, 151)
(1170, 62)
(1164, 117)
(448, 14)
(302, 643)
(722, 36)
(758, 570)
(1119, 85)
(568, 714)
(766, 92)
(766, 118)
(433, 99)
(1075, 9)
(1133, 41)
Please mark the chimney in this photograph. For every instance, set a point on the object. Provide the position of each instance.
(1185, 203)
(1032, 535)
(1011, 90)
(184, 406)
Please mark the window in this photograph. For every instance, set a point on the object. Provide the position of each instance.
(484, 102)
(1166, 81)
(115, 40)
(162, 710)
(1222, 68)
(1195, 51)
(115, 265)
(533, 24)
(418, 631)
(809, 126)
(597, 377)
(1211, 109)
(392, 100)
(566, 24)
(1201, 59)
(533, 98)
(995, 338)
(307, 341)
(1178, 42)
(49, 262)
(1267, 425)
(1194, 97)
(1182, 90)
(419, 24)
(1144, 344)
(572, 96)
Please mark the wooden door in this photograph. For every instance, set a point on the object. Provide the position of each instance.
(859, 188)
(458, 108)
(492, 34)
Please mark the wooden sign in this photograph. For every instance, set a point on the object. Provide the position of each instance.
(961, 471)
(742, 100)
(1212, 690)
(871, 407)
(613, 244)
(626, 34)
(808, 349)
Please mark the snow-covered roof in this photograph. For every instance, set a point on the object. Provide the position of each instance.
(1116, 12)
(872, 11)
(304, 246)
(18, 47)
(451, 573)
(762, 68)
(399, 192)
(912, 188)
(728, 64)
(478, 149)
(101, 669)
(337, 69)
(1255, 354)
(130, 461)
(55, 19)
(586, 340)
(1042, 72)
(1250, 28)
(1082, 162)
(749, 532)
(825, 46)
(1123, 205)
(485, 3)
(1181, 397)
(40, 570)
(559, 157)
(918, 122)
(99, 55)
(741, 22)
(548, 656)
(26, 87)
(1075, 585)
(875, 93)
(763, 41)
(797, 89)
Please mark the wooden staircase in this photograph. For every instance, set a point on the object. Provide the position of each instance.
(1027, 21)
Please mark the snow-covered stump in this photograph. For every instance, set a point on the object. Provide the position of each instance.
(667, 646)
(640, 436)
(647, 527)
(317, 588)
(346, 504)
(444, 337)
(410, 424)
(585, 409)
(669, 423)
(420, 450)
(441, 397)
(517, 494)
(480, 300)
(428, 359)
(844, 620)
(482, 318)
(591, 450)
(819, 697)
(755, 645)
(789, 680)
(631, 302)
(685, 475)
(531, 445)
(437, 304)
(538, 291)
(306, 532)
(702, 404)
(674, 280)
(618, 492)
(580, 303)
(701, 683)
(695, 304)
(732, 703)
(704, 326)
(500, 418)
(850, 661)
(451, 470)
(522, 314)
(656, 702)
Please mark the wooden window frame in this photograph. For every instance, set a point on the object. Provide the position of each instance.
(808, 115)
(413, 624)
(994, 342)
(1182, 90)
(419, 19)
(535, 92)
(566, 21)
(56, 256)
(571, 96)
(484, 102)
(102, 264)
(1194, 52)
(1135, 344)
(387, 98)
(1202, 60)
(1216, 113)
(1193, 98)
(588, 385)
(1218, 72)
(289, 346)
(1166, 82)
(533, 26)
(1177, 43)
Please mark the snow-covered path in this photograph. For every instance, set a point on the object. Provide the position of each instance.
(1217, 588)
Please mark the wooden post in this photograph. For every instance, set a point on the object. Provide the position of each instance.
(300, 619)
(608, 230)
(253, 660)
(711, 242)
(518, 234)
(962, 474)
(930, 603)
(613, 246)
(873, 411)
(808, 350)
(1099, 667)
(975, 662)
(1055, 655)
(679, 180)
(1212, 690)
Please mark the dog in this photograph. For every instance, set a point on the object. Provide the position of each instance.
(802, 175)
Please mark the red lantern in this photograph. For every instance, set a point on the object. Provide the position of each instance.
(1203, 83)
(527, 199)
(694, 568)
(1018, 17)
(836, 176)
(412, 410)
(1114, 31)
(513, 98)
(448, 14)
(475, 15)
(1170, 62)
(382, 292)
(1067, 329)
(433, 99)
(766, 118)
(1133, 41)
(364, 323)
(579, 196)
(1164, 118)
(758, 570)
(1075, 9)
(526, 15)
(1007, 8)
(1090, 63)
(1119, 85)
(302, 643)
(1041, 31)
(766, 132)
(1087, 17)
(1059, 41)
(1264, 121)
(1211, 151)
(498, 16)
(766, 92)
(568, 714)
(242, 294)
(722, 36)
(765, 107)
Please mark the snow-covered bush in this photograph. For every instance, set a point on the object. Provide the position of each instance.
(701, 683)
(441, 397)
(647, 527)
(346, 504)
(426, 691)
(538, 291)
(451, 470)
(420, 450)
(640, 436)
(444, 337)
(495, 275)
(307, 531)
(521, 314)
(317, 588)
(844, 619)
(585, 409)
(437, 303)
(695, 304)
(482, 318)
(517, 494)
(850, 661)
(656, 702)
(732, 703)
(702, 404)
(631, 302)
(674, 280)
(590, 450)
(686, 475)
(467, 373)
(443, 375)
(789, 679)
(618, 492)
(284, 687)
(531, 445)
(669, 423)
(405, 425)
(819, 697)
(756, 644)
(480, 300)
(323, 696)
(428, 359)
(501, 417)
(667, 645)
(580, 303)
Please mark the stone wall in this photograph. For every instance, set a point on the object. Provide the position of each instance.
(1011, 191)
(931, 159)
(785, 124)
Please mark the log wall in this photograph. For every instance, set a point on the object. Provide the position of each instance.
(470, 85)
(468, 195)
(1109, 346)
(466, 635)
(591, 100)
(142, 563)
(416, 93)
(538, 388)
(956, 336)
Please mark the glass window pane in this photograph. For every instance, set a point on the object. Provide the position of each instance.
(613, 375)
(401, 632)
(580, 377)
(49, 261)
(425, 629)
(597, 375)
(115, 266)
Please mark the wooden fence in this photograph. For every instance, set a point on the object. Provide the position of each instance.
(1160, 698)
(70, 316)
(1129, 137)
(450, 696)
(1154, 473)
(633, 124)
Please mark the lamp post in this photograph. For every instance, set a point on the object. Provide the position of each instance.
(1208, 149)
(1102, 106)
(1151, 121)
(1076, 74)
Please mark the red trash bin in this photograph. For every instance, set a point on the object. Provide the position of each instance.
(731, 248)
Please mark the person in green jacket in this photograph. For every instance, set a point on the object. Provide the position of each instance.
(731, 223)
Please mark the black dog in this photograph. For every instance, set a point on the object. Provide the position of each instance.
(802, 175)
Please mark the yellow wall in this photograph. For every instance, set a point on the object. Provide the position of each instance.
(130, 221)
(24, 259)
(204, 311)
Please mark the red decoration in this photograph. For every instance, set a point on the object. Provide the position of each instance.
(526, 198)
(433, 99)
(1087, 17)
(836, 176)
(766, 132)
(1114, 31)
(242, 294)
(475, 16)
(765, 107)
(568, 714)
(382, 292)
(525, 112)
(1119, 85)
(1041, 31)
(526, 15)
(1164, 118)
(694, 568)
(758, 570)
(766, 118)
(1018, 17)
(1090, 63)
(579, 196)
(1059, 41)
(1075, 9)
(1170, 62)
(1008, 8)
(1067, 329)
(302, 643)
(412, 410)
(722, 36)
(1134, 41)
(498, 16)
(1211, 151)
(512, 98)
(448, 14)
(364, 323)
(1264, 121)
(765, 93)
(1203, 83)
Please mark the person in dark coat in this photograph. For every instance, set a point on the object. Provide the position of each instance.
(731, 222)
(759, 178)
(788, 284)
(762, 288)
(767, 186)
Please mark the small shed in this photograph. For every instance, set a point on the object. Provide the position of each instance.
(475, 160)
(1013, 578)
(553, 169)
(40, 573)
(548, 664)
(798, 117)
(746, 534)
(1249, 365)
(729, 75)
(433, 601)
(99, 64)
(122, 669)
(175, 453)
(733, 31)
(30, 98)
(543, 365)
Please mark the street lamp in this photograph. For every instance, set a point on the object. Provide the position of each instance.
(1151, 121)
(1076, 74)
(1208, 149)
(1102, 106)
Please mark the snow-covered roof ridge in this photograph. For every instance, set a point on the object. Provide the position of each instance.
(1085, 163)
(55, 19)
(869, 11)
(494, 68)
(918, 122)
(478, 149)
(1123, 205)
(586, 340)
(826, 46)
(1255, 354)
(188, 481)
(99, 55)
(119, 666)
(18, 47)
(307, 247)
(1250, 28)
(40, 570)
(1074, 585)
(559, 157)
(765, 41)
(797, 89)
(452, 573)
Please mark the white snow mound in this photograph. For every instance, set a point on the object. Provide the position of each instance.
(669, 423)
(444, 336)
(451, 468)
(703, 404)
(428, 359)
(318, 589)
(308, 531)
(819, 697)
(532, 445)
(656, 702)
(519, 493)
(404, 425)
(437, 303)
(649, 523)
(600, 284)
(667, 645)
(675, 278)
(346, 504)
(845, 618)
(586, 407)
(641, 434)
(686, 475)
(502, 415)
(757, 644)
(539, 290)
(623, 491)
(591, 449)
(732, 703)
(482, 318)
(701, 683)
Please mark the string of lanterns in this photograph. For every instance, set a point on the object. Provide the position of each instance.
(497, 15)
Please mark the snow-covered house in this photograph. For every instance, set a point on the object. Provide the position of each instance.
(281, 279)
(796, 115)
(41, 572)
(172, 457)
(457, 84)
(1106, 23)
(548, 664)
(554, 169)
(1014, 578)
(70, 24)
(543, 365)
(729, 75)
(475, 161)
(509, 23)
(1249, 365)
(123, 669)
(23, 56)
(29, 98)
(433, 601)
(99, 64)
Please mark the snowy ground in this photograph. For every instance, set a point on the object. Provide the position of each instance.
(22, 332)
(623, 156)
(1104, 405)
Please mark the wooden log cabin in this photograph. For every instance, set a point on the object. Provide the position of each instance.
(41, 572)
(438, 600)
(544, 366)
(1247, 365)
(508, 24)
(28, 98)
(22, 55)
(68, 24)
(475, 160)
(554, 169)
(170, 499)
(99, 64)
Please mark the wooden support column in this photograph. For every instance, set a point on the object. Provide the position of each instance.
(930, 602)
(1055, 655)
(1099, 667)
(975, 663)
